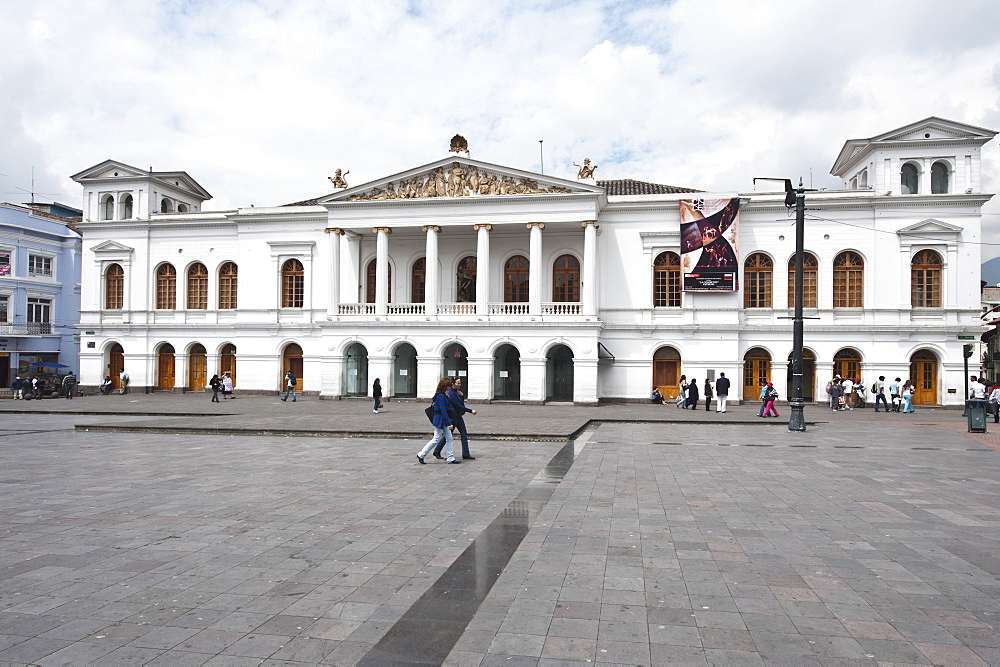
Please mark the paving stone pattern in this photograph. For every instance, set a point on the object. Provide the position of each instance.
(862, 541)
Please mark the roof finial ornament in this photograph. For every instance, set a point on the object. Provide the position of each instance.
(586, 171)
(459, 144)
(338, 179)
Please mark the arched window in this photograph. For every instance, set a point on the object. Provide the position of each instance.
(182, 208)
(939, 178)
(165, 206)
(909, 179)
(848, 280)
(418, 281)
(197, 287)
(566, 279)
(925, 280)
(810, 277)
(293, 284)
(108, 205)
(757, 280)
(465, 280)
(114, 287)
(126, 207)
(863, 179)
(370, 291)
(847, 363)
(667, 280)
(515, 279)
(166, 287)
(228, 275)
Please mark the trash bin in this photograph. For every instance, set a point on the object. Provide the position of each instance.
(975, 408)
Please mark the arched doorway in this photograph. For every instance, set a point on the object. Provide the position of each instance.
(808, 376)
(847, 363)
(165, 368)
(559, 374)
(405, 371)
(667, 371)
(227, 361)
(291, 360)
(756, 372)
(456, 363)
(116, 362)
(356, 382)
(923, 374)
(197, 368)
(507, 374)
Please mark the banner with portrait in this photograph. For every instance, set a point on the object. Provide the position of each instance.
(709, 250)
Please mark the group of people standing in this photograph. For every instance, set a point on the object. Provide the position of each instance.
(894, 397)
(37, 386)
(688, 395)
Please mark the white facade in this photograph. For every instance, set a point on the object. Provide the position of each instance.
(604, 338)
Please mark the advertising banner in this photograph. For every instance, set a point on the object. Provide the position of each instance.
(709, 251)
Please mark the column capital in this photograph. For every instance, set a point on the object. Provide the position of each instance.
(540, 225)
(430, 228)
(595, 223)
(334, 230)
(488, 227)
(387, 230)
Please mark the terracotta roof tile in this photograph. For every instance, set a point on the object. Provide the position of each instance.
(627, 186)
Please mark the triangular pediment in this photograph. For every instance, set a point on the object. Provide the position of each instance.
(459, 178)
(930, 227)
(109, 169)
(111, 247)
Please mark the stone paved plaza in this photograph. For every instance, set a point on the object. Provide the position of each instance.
(175, 531)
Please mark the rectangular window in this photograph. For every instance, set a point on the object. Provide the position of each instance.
(39, 266)
(4, 300)
(39, 316)
(5, 263)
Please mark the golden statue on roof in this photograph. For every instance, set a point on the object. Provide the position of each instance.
(338, 179)
(459, 144)
(586, 171)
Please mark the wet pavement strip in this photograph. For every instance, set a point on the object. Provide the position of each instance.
(429, 629)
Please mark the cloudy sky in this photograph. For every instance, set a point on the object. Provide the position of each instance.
(260, 100)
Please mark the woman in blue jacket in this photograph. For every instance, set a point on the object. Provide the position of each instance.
(442, 423)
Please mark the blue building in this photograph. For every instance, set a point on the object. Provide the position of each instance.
(39, 290)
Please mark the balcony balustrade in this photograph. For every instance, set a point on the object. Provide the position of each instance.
(28, 329)
(462, 308)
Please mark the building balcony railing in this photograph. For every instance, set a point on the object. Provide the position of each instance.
(461, 308)
(28, 329)
(509, 308)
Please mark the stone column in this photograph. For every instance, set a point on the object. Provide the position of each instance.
(588, 292)
(382, 270)
(431, 270)
(535, 268)
(483, 269)
(333, 247)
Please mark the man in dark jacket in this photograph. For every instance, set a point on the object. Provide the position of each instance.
(721, 392)
(693, 394)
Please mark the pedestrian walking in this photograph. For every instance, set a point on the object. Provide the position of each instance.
(894, 394)
(708, 394)
(227, 386)
(879, 390)
(682, 393)
(692, 394)
(906, 393)
(770, 396)
(214, 383)
(995, 403)
(289, 385)
(456, 401)
(441, 421)
(721, 392)
(763, 398)
(69, 384)
(377, 394)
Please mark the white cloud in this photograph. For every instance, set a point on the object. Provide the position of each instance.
(261, 101)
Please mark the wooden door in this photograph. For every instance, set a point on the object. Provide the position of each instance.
(666, 375)
(116, 362)
(295, 363)
(196, 371)
(165, 375)
(756, 372)
(923, 373)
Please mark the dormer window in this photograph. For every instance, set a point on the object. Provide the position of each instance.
(909, 179)
(165, 206)
(940, 178)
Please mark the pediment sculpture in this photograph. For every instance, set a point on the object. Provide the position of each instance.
(338, 179)
(460, 180)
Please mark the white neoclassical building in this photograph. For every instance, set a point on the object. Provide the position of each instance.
(535, 288)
